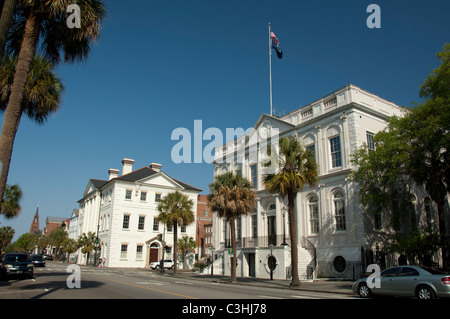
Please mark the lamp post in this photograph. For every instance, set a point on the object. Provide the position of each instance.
(284, 226)
(212, 260)
(271, 262)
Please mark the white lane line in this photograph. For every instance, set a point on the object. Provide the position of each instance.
(270, 297)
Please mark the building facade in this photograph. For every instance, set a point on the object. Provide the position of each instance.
(204, 227)
(122, 212)
(333, 232)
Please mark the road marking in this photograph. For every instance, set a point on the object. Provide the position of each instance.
(305, 297)
(150, 283)
(270, 297)
(143, 287)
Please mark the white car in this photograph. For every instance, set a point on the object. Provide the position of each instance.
(168, 264)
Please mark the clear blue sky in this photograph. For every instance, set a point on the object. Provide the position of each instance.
(160, 65)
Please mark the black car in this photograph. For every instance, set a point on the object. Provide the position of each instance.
(38, 261)
(16, 264)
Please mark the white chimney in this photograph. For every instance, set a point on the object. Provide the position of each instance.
(127, 166)
(156, 167)
(113, 173)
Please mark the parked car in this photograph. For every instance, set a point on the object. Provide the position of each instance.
(168, 264)
(408, 281)
(38, 261)
(48, 257)
(16, 264)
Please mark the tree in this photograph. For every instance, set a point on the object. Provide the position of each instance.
(56, 238)
(186, 244)
(87, 244)
(6, 10)
(42, 25)
(177, 209)
(69, 246)
(10, 206)
(25, 242)
(6, 236)
(297, 168)
(232, 196)
(413, 149)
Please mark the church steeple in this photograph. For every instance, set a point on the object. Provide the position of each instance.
(34, 229)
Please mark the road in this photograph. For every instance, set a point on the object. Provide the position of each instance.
(53, 282)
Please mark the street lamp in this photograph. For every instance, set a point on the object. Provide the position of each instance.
(284, 226)
(212, 259)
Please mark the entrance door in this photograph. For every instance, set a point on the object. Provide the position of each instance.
(271, 230)
(153, 254)
(251, 265)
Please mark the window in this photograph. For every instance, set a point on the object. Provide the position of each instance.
(123, 251)
(412, 210)
(254, 175)
(377, 221)
(183, 229)
(141, 222)
(126, 222)
(408, 271)
(157, 197)
(155, 224)
(427, 205)
(128, 194)
(339, 211)
(254, 226)
(314, 214)
(143, 196)
(370, 143)
(205, 213)
(312, 149)
(139, 251)
(336, 159)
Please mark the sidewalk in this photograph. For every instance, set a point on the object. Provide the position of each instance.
(331, 286)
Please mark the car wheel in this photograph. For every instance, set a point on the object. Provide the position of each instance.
(157, 267)
(171, 267)
(364, 291)
(424, 292)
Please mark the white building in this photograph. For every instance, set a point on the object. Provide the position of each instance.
(332, 232)
(123, 212)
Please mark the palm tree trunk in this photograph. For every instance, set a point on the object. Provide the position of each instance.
(14, 109)
(7, 9)
(233, 247)
(295, 283)
(175, 248)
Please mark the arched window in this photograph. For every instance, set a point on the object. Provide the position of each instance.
(339, 210)
(313, 205)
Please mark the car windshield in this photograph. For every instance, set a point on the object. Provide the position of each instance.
(15, 258)
(37, 257)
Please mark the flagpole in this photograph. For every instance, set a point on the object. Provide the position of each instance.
(270, 69)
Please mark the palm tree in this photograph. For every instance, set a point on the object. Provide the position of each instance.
(41, 24)
(232, 196)
(176, 209)
(87, 244)
(10, 207)
(6, 235)
(297, 168)
(186, 244)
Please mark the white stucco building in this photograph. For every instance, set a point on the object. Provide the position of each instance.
(332, 231)
(123, 212)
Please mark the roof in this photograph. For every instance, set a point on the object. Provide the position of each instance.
(138, 175)
(56, 219)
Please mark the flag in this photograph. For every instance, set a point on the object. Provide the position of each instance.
(275, 45)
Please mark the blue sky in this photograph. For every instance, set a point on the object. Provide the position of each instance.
(160, 65)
